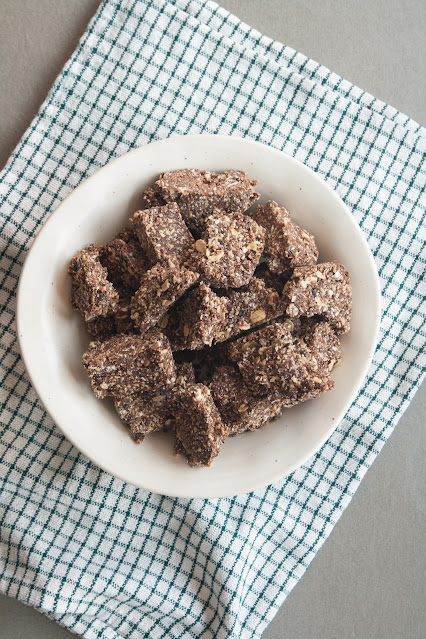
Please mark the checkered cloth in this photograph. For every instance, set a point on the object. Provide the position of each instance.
(107, 559)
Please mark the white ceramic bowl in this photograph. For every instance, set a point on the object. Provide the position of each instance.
(52, 336)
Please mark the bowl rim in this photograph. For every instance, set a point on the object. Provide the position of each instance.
(31, 368)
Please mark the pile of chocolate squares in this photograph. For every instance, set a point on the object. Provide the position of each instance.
(209, 316)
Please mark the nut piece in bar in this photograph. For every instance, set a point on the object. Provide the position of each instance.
(162, 233)
(91, 293)
(126, 365)
(160, 287)
(239, 408)
(323, 289)
(270, 359)
(249, 307)
(150, 198)
(229, 250)
(200, 192)
(198, 427)
(125, 262)
(286, 244)
(197, 319)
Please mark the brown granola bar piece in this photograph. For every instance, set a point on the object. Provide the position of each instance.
(200, 192)
(91, 292)
(325, 353)
(229, 250)
(248, 352)
(239, 408)
(250, 306)
(143, 414)
(324, 290)
(272, 359)
(197, 319)
(286, 244)
(125, 262)
(162, 233)
(102, 328)
(160, 287)
(198, 427)
(147, 413)
(126, 365)
(151, 197)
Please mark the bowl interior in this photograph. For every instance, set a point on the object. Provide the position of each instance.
(53, 337)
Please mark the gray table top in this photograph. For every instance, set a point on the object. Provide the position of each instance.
(368, 578)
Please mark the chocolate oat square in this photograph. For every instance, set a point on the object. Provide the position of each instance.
(197, 319)
(91, 292)
(125, 262)
(147, 413)
(273, 359)
(229, 250)
(286, 244)
(160, 287)
(143, 414)
(126, 365)
(198, 428)
(324, 290)
(162, 233)
(249, 307)
(199, 193)
(239, 408)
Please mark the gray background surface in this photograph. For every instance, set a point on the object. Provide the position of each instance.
(368, 580)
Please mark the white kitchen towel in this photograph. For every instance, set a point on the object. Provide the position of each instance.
(100, 556)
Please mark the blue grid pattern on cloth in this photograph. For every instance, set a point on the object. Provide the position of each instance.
(100, 556)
